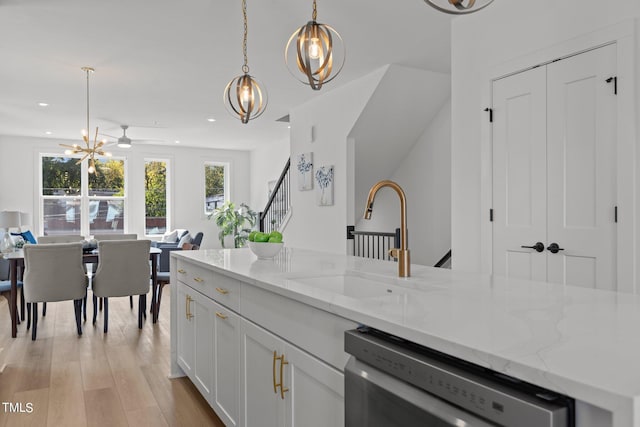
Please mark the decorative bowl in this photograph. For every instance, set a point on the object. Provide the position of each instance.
(265, 250)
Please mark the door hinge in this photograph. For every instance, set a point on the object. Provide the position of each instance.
(490, 110)
(613, 79)
(615, 214)
(490, 215)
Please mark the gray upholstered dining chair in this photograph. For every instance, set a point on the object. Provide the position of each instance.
(129, 236)
(62, 238)
(53, 272)
(5, 286)
(163, 274)
(123, 270)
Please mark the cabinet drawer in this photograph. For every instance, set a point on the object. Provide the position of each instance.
(218, 287)
(181, 271)
(225, 290)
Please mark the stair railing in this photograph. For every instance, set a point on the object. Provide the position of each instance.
(274, 213)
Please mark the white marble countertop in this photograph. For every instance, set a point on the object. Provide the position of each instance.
(581, 342)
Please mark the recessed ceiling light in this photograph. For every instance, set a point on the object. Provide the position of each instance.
(177, 142)
(48, 132)
(211, 120)
(289, 127)
(43, 104)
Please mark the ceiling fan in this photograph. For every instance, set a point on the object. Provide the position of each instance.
(124, 141)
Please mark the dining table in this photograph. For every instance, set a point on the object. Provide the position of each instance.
(16, 263)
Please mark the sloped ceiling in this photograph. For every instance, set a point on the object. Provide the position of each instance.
(397, 114)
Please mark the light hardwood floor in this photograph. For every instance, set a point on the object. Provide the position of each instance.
(114, 379)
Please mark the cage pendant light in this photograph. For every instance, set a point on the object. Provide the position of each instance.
(89, 150)
(458, 7)
(244, 96)
(315, 53)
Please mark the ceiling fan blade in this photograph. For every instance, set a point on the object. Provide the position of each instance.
(110, 136)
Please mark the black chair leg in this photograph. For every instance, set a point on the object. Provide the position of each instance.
(131, 301)
(95, 312)
(159, 299)
(44, 309)
(100, 304)
(34, 313)
(84, 308)
(106, 314)
(28, 315)
(140, 311)
(77, 305)
(21, 304)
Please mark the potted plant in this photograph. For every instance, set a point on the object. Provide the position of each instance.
(234, 222)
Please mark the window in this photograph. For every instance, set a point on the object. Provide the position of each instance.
(215, 186)
(76, 202)
(155, 197)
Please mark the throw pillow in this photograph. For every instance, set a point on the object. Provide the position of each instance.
(170, 236)
(185, 239)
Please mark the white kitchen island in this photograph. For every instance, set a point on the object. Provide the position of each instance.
(584, 343)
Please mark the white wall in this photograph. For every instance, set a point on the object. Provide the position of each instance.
(425, 176)
(266, 164)
(332, 115)
(20, 167)
(501, 33)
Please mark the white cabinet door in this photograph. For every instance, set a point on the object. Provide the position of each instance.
(285, 386)
(554, 171)
(226, 365)
(581, 141)
(316, 391)
(202, 323)
(185, 346)
(519, 175)
(260, 371)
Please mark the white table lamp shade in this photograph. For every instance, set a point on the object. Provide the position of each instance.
(9, 219)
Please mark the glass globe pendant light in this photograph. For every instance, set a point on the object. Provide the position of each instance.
(458, 7)
(244, 96)
(315, 53)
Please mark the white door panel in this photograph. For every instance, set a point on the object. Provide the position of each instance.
(581, 144)
(519, 179)
(554, 171)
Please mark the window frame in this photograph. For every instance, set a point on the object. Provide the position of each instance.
(169, 193)
(84, 196)
(227, 168)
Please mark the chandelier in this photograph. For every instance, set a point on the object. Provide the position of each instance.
(244, 96)
(90, 150)
(458, 7)
(311, 48)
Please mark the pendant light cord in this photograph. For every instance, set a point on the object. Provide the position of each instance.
(314, 15)
(245, 67)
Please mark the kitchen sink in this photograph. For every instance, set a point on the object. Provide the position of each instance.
(352, 284)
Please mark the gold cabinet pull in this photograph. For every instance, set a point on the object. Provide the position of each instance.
(188, 308)
(181, 271)
(283, 389)
(222, 291)
(198, 279)
(222, 316)
(275, 384)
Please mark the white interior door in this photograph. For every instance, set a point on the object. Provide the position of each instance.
(519, 175)
(554, 171)
(581, 146)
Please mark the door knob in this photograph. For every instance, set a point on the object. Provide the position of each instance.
(554, 248)
(539, 247)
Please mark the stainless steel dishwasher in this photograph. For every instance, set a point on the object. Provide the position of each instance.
(392, 382)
